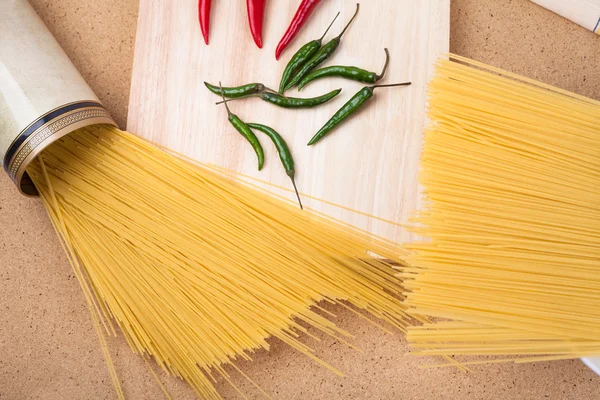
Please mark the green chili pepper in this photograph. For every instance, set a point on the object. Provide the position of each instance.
(291, 102)
(320, 56)
(352, 106)
(284, 154)
(239, 91)
(352, 73)
(246, 132)
(301, 57)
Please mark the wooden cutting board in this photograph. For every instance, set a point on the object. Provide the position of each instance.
(369, 164)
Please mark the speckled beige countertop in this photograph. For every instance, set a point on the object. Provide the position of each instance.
(48, 348)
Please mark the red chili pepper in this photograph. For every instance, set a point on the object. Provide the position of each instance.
(304, 10)
(256, 12)
(204, 17)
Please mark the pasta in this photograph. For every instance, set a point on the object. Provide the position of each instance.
(197, 269)
(510, 260)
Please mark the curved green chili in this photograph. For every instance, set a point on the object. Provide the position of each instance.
(352, 73)
(246, 132)
(301, 57)
(320, 56)
(291, 102)
(284, 154)
(352, 106)
(238, 91)
(294, 102)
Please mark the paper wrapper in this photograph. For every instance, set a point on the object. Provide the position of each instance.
(42, 95)
(583, 12)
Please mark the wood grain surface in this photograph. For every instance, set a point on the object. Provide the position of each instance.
(48, 349)
(369, 164)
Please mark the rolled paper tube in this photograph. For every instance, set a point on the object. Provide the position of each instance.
(42, 95)
(583, 12)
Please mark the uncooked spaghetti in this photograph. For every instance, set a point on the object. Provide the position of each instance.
(511, 176)
(198, 269)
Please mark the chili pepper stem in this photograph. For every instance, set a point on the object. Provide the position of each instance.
(349, 23)
(390, 85)
(329, 27)
(385, 66)
(225, 101)
(268, 89)
(223, 95)
(296, 190)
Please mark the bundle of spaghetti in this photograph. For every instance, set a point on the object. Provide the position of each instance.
(199, 270)
(510, 256)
